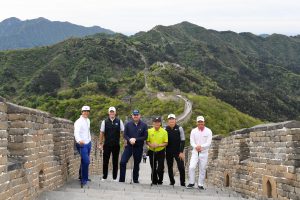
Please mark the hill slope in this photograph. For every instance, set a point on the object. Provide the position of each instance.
(16, 34)
(259, 76)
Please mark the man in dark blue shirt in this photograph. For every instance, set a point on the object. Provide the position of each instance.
(135, 134)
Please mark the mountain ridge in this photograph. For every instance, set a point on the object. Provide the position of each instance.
(258, 76)
(17, 34)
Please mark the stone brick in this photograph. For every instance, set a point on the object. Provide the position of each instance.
(3, 116)
(3, 107)
(3, 134)
(3, 125)
(3, 142)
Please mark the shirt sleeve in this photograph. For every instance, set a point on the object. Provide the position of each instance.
(102, 126)
(206, 145)
(126, 132)
(148, 137)
(76, 131)
(144, 134)
(182, 136)
(192, 140)
(121, 126)
(166, 136)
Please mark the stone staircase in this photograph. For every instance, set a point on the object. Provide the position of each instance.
(114, 190)
(108, 189)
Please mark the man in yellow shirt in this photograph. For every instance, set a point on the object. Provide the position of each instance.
(157, 141)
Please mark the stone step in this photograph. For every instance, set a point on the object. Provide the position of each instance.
(116, 186)
(124, 191)
(99, 194)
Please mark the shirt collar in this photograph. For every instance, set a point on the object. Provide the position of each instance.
(200, 129)
(111, 119)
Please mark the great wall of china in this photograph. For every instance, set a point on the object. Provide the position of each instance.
(37, 155)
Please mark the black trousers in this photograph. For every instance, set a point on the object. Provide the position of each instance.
(157, 160)
(136, 152)
(180, 164)
(107, 150)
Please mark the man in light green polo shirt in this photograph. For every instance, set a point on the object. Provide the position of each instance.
(157, 141)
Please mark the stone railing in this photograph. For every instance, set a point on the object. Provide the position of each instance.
(259, 162)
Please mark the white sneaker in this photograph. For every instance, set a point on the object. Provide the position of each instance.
(103, 179)
(115, 180)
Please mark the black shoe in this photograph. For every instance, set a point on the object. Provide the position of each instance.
(200, 187)
(136, 181)
(183, 184)
(190, 186)
(159, 183)
(172, 183)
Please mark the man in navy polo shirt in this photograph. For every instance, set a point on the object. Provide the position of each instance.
(135, 133)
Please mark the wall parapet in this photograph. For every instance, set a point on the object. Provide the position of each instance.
(37, 151)
(259, 162)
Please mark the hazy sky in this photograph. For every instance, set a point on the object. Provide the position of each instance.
(131, 16)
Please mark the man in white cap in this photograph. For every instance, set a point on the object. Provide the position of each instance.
(83, 142)
(200, 140)
(111, 129)
(174, 150)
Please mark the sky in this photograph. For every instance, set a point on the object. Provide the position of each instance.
(131, 16)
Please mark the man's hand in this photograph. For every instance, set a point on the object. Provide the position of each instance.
(198, 148)
(132, 141)
(181, 156)
(100, 147)
(81, 142)
(154, 145)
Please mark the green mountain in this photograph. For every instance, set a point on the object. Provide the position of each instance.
(258, 76)
(17, 34)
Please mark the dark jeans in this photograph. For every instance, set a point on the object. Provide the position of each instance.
(157, 160)
(107, 150)
(84, 151)
(136, 152)
(180, 164)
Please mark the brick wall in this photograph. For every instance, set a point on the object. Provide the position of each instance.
(37, 152)
(259, 162)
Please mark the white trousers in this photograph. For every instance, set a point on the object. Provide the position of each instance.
(202, 160)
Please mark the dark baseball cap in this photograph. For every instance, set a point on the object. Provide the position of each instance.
(156, 119)
(135, 112)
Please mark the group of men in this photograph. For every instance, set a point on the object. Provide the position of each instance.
(163, 143)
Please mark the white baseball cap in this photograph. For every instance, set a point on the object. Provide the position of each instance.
(200, 118)
(85, 108)
(112, 109)
(171, 116)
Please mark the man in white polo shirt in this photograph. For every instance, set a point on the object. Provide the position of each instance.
(110, 130)
(200, 140)
(83, 142)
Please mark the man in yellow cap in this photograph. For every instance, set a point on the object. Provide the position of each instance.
(157, 141)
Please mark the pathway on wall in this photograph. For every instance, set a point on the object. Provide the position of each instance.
(185, 116)
(114, 190)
